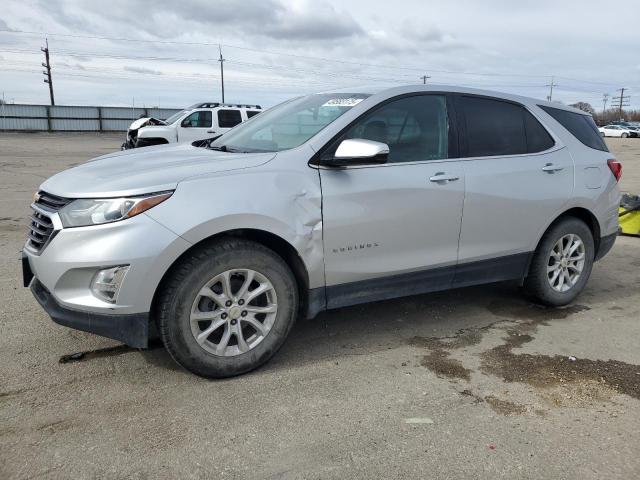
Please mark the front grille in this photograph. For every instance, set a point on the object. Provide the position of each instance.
(41, 226)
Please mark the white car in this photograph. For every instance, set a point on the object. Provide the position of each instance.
(197, 122)
(617, 131)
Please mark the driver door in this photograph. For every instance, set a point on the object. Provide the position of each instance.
(195, 126)
(392, 229)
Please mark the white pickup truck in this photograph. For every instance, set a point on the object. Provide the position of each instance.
(197, 122)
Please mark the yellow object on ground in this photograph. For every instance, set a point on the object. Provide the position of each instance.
(629, 215)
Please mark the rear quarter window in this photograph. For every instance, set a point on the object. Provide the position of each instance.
(538, 139)
(580, 126)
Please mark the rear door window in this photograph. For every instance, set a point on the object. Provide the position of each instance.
(228, 118)
(252, 113)
(580, 126)
(493, 127)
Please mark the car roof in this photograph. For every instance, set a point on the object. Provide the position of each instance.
(386, 91)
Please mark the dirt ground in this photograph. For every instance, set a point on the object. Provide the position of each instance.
(471, 383)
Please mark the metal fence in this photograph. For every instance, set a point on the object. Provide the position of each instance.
(63, 118)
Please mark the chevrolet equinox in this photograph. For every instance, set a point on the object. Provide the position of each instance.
(321, 202)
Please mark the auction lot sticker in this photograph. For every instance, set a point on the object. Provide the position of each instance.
(342, 102)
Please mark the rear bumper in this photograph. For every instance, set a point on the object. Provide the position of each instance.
(131, 329)
(606, 244)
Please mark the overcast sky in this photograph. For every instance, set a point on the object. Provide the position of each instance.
(275, 49)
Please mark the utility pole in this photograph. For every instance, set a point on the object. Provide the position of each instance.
(221, 60)
(605, 99)
(622, 100)
(551, 85)
(424, 79)
(47, 73)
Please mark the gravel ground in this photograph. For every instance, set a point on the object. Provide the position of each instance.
(471, 383)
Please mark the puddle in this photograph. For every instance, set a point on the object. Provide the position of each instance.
(438, 359)
(544, 371)
(577, 381)
(504, 407)
(533, 312)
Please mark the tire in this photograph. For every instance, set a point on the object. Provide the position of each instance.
(181, 298)
(538, 282)
(624, 135)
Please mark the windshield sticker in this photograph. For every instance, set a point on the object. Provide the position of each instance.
(342, 102)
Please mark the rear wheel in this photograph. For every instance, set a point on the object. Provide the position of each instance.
(562, 263)
(227, 308)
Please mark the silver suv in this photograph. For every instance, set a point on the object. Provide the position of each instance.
(324, 201)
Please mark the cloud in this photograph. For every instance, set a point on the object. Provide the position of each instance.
(143, 70)
(304, 20)
(371, 43)
(312, 21)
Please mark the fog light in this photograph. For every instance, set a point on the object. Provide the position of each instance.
(106, 283)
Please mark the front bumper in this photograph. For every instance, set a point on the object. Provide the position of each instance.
(69, 262)
(131, 329)
(60, 275)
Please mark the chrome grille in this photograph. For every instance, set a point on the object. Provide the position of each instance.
(41, 227)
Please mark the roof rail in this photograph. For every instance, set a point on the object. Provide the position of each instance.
(218, 104)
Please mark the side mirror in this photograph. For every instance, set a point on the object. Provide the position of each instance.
(358, 151)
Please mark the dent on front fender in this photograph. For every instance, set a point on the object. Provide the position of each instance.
(283, 203)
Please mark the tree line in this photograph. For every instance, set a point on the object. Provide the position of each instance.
(609, 115)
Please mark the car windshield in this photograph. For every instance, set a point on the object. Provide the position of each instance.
(173, 118)
(289, 124)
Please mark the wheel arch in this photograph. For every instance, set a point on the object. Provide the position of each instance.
(268, 239)
(580, 213)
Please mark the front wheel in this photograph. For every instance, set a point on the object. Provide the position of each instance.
(562, 263)
(624, 135)
(227, 308)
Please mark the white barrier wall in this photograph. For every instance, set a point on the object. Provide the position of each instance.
(64, 118)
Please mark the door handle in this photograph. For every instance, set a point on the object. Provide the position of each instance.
(550, 167)
(211, 131)
(443, 177)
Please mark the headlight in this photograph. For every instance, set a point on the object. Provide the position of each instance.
(94, 211)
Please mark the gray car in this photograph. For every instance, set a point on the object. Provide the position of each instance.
(324, 201)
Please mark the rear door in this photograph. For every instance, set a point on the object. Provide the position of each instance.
(227, 119)
(392, 229)
(518, 178)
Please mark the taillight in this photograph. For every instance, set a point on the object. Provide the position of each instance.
(616, 168)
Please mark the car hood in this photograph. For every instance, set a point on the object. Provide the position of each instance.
(145, 170)
(146, 121)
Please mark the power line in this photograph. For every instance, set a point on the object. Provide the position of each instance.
(271, 52)
(201, 60)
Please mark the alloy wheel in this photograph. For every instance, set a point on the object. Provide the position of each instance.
(566, 262)
(233, 312)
